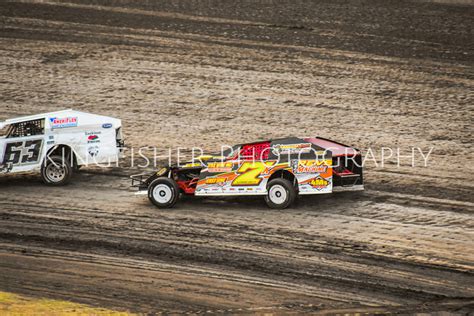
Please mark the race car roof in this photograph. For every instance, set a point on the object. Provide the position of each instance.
(282, 149)
(68, 112)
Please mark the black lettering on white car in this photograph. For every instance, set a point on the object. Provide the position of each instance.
(23, 152)
(13, 153)
(33, 149)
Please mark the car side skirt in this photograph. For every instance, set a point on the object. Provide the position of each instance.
(230, 194)
(359, 187)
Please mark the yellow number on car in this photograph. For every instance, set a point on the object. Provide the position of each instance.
(249, 173)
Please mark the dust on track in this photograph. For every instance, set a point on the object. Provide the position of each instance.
(190, 77)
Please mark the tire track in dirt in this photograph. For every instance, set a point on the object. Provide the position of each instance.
(216, 243)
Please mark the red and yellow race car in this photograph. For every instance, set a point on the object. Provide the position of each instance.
(279, 170)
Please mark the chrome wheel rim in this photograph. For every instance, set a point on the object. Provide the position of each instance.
(278, 194)
(55, 172)
(162, 193)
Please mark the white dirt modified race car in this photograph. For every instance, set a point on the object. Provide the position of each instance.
(57, 143)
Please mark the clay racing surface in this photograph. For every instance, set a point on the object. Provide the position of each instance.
(206, 73)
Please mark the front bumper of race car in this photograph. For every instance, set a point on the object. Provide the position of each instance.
(143, 180)
(142, 192)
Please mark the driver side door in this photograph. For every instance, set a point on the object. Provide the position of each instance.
(21, 149)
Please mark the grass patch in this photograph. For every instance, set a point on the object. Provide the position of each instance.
(13, 304)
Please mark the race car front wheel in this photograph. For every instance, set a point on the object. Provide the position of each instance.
(56, 171)
(281, 193)
(163, 192)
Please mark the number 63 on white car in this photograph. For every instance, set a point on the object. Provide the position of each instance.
(57, 143)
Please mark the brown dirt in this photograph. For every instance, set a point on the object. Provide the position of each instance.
(193, 73)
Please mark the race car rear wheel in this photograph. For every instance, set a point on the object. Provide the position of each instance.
(281, 193)
(163, 192)
(56, 171)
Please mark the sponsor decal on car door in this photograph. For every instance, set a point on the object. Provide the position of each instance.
(314, 176)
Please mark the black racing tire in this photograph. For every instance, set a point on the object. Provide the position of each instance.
(163, 192)
(56, 171)
(281, 193)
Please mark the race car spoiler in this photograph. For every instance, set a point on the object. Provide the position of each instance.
(337, 149)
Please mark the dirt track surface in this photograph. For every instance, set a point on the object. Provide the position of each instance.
(182, 74)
